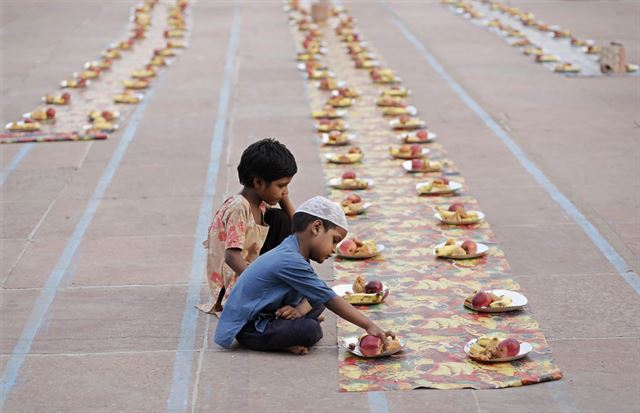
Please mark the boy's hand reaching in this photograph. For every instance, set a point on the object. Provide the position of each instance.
(288, 313)
(374, 330)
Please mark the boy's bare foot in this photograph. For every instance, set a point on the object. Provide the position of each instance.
(299, 350)
(320, 318)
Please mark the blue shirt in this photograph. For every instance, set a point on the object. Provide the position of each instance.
(280, 277)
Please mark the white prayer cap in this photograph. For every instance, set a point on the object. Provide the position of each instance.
(321, 207)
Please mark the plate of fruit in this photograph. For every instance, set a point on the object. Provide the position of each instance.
(460, 250)
(337, 138)
(495, 301)
(345, 92)
(495, 349)
(422, 165)
(26, 125)
(339, 101)
(391, 101)
(406, 151)
(327, 125)
(328, 112)
(407, 122)
(456, 214)
(396, 91)
(437, 186)
(367, 346)
(75, 83)
(421, 136)
(62, 99)
(354, 205)
(128, 97)
(362, 293)
(349, 180)
(108, 115)
(398, 111)
(354, 155)
(356, 249)
(40, 115)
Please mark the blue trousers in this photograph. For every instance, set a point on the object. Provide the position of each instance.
(280, 334)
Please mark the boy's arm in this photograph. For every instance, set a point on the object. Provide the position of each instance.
(345, 310)
(287, 205)
(291, 313)
(233, 258)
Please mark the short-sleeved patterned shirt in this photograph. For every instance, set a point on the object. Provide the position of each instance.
(233, 226)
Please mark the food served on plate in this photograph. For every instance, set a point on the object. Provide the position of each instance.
(374, 346)
(355, 248)
(328, 112)
(111, 54)
(437, 186)
(91, 73)
(567, 68)
(521, 42)
(460, 249)
(406, 151)
(353, 205)
(26, 125)
(136, 84)
(349, 180)
(336, 138)
(143, 73)
(487, 299)
(328, 84)
(105, 114)
(42, 115)
(364, 293)
(128, 97)
(63, 99)
(422, 165)
(488, 348)
(339, 101)
(407, 122)
(396, 91)
(346, 92)
(74, 83)
(391, 101)
(533, 51)
(593, 49)
(421, 136)
(326, 125)
(354, 155)
(457, 214)
(380, 75)
(546, 58)
(319, 74)
(398, 111)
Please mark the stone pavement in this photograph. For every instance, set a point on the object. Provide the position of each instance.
(108, 341)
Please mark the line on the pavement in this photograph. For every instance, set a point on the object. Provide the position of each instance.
(17, 159)
(48, 293)
(560, 393)
(179, 395)
(625, 271)
(377, 402)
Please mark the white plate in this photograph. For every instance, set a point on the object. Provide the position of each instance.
(350, 138)
(478, 213)
(342, 289)
(425, 151)
(340, 113)
(64, 84)
(379, 247)
(430, 137)
(355, 340)
(453, 187)
(345, 127)
(329, 157)
(518, 301)
(365, 206)
(395, 124)
(115, 128)
(407, 167)
(525, 348)
(336, 183)
(482, 249)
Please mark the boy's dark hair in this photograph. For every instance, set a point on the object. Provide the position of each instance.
(267, 159)
(301, 221)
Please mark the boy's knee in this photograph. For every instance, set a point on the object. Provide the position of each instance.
(312, 333)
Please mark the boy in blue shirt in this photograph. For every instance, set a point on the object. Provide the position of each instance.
(276, 303)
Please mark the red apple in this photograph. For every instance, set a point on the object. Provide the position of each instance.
(469, 246)
(66, 96)
(442, 180)
(508, 347)
(456, 206)
(107, 115)
(481, 299)
(51, 113)
(349, 175)
(28, 120)
(348, 247)
(416, 149)
(373, 287)
(370, 345)
(417, 164)
(354, 199)
(422, 135)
